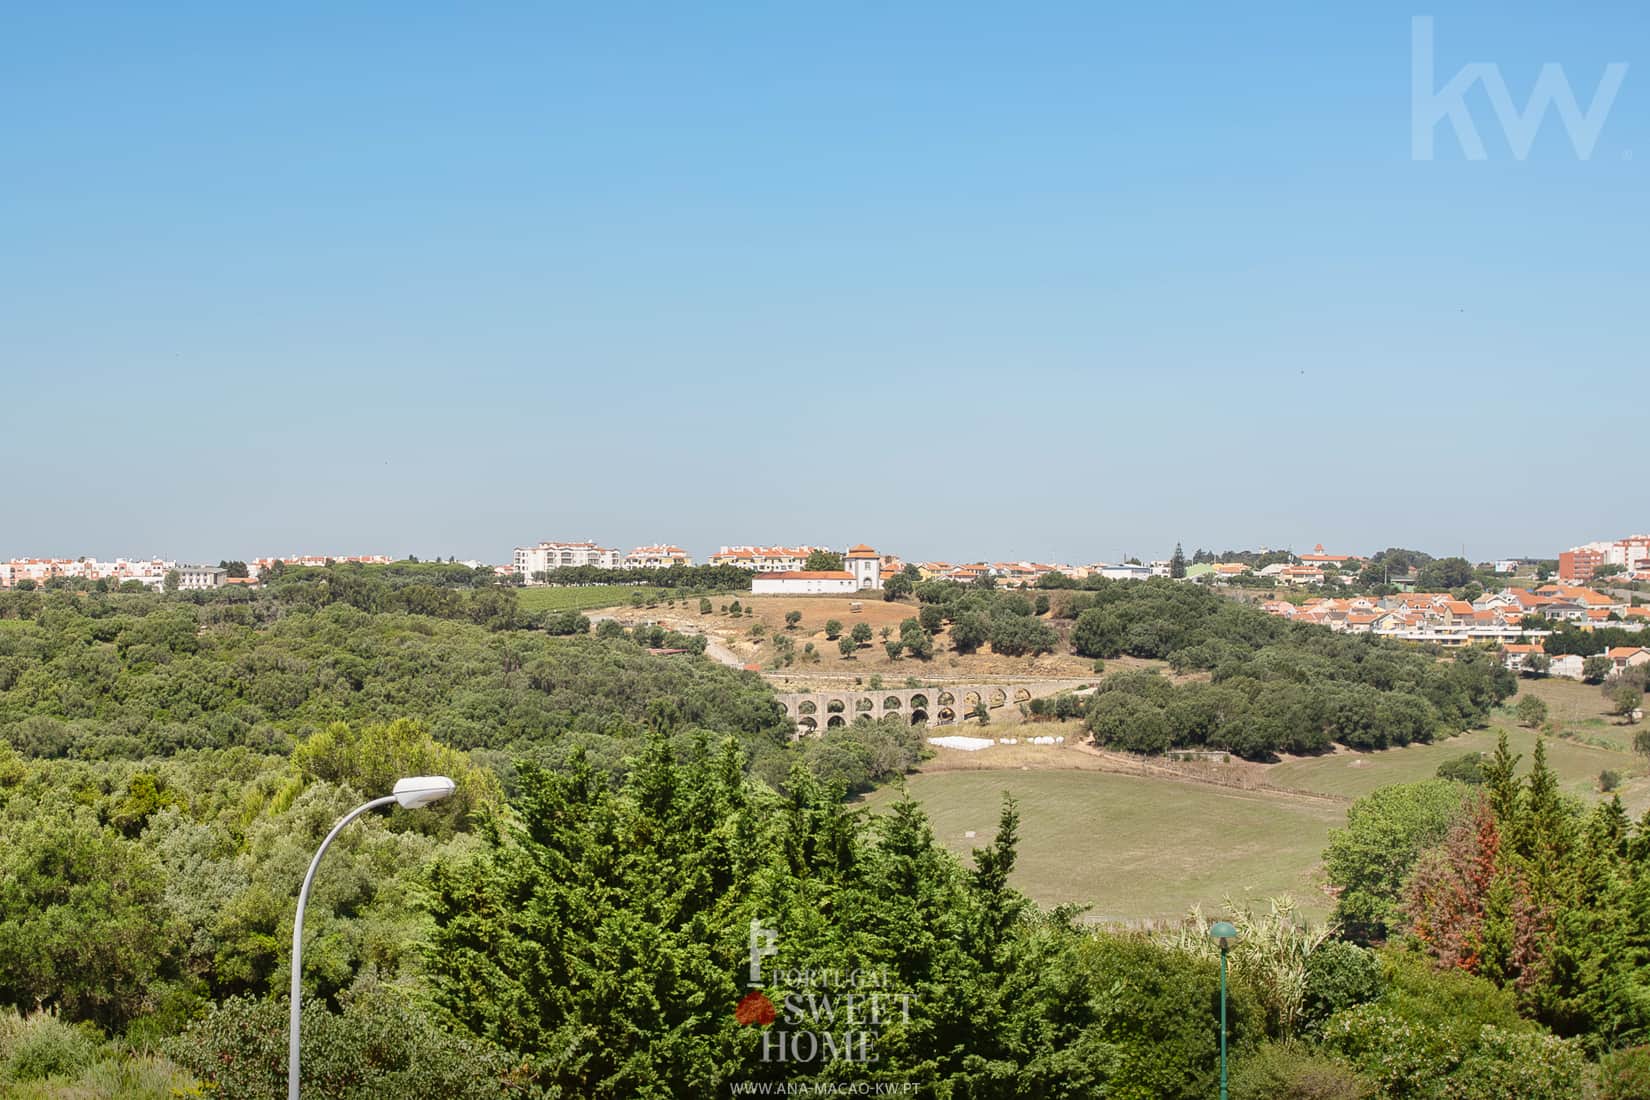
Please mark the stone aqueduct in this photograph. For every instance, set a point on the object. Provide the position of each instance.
(942, 705)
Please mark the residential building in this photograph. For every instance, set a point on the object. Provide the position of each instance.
(764, 559)
(258, 566)
(1579, 563)
(1125, 571)
(656, 557)
(1624, 657)
(1568, 666)
(1319, 558)
(1514, 655)
(532, 560)
(1298, 574)
(192, 577)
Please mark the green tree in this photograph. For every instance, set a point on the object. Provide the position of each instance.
(1531, 711)
(83, 927)
(861, 634)
(792, 619)
(1177, 563)
(1124, 721)
(917, 641)
(704, 605)
(1625, 700)
(897, 587)
(846, 647)
(233, 568)
(833, 629)
(1595, 668)
(170, 582)
(1385, 833)
(893, 648)
(969, 631)
(823, 561)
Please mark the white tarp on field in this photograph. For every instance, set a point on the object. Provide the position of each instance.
(966, 744)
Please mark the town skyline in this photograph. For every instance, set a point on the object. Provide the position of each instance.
(116, 548)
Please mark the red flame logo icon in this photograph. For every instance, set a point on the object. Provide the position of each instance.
(755, 1008)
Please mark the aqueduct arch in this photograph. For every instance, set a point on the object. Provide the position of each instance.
(920, 706)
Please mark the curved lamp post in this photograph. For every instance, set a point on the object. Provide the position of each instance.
(419, 790)
(1225, 934)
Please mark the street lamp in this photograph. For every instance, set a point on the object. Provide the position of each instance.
(411, 793)
(1224, 933)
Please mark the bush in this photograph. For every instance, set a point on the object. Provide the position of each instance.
(40, 1045)
(1466, 768)
(1531, 711)
(1339, 975)
(1289, 1071)
(1159, 1010)
(1608, 780)
(1625, 1074)
(1128, 722)
(380, 1045)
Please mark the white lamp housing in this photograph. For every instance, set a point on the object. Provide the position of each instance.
(421, 790)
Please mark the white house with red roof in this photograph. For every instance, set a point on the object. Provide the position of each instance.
(861, 572)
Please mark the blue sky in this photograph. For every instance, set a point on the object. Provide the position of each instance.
(975, 281)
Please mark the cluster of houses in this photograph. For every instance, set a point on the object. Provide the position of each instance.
(1493, 618)
(152, 572)
(149, 572)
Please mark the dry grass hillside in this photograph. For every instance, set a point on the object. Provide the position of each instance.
(946, 664)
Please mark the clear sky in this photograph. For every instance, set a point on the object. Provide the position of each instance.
(1047, 281)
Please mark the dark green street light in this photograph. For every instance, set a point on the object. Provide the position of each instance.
(1225, 934)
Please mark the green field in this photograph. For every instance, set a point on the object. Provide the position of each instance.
(1145, 848)
(1594, 742)
(1132, 847)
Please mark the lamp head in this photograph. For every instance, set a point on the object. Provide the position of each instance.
(421, 790)
(1224, 933)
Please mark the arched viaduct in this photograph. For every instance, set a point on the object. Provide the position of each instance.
(942, 705)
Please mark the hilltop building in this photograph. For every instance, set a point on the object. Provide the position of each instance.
(1579, 563)
(764, 559)
(532, 560)
(861, 572)
(865, 566)
(656, 557)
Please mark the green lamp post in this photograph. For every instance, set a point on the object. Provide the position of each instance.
(1225, 934)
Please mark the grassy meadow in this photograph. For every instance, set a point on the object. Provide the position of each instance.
(1146, 847)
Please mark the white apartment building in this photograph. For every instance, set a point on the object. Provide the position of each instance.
(656, 557)
(193, 577)
(41, 570)
(532, 560)
(764, 559)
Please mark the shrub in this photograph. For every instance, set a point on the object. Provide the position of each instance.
(1625, 1074)
(1339, 975)
(380, 1045)
(40, 1045)
(1289, 1071)
(1466, 768)
(1608, 780)
(1158, 1008)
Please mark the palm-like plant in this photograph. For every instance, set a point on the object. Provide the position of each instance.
(1271, 953)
